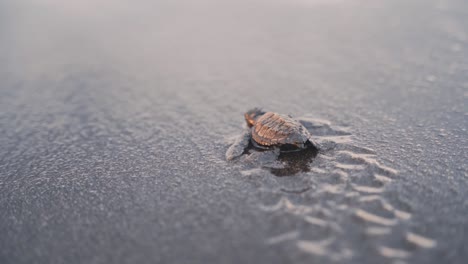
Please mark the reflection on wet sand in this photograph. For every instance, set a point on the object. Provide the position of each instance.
(285, 163)
(295, 162)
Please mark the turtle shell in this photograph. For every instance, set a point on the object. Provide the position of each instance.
(273, 129)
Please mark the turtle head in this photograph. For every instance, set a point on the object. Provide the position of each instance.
(252, 115)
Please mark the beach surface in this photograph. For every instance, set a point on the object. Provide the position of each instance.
(115, 119)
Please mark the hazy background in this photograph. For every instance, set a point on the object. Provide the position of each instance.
(115, 117)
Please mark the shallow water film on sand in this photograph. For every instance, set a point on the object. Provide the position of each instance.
(116, 120)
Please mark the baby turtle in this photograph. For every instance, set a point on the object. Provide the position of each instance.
(269, 130)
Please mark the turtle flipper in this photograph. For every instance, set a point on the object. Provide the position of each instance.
(314, 143)
(239, 145)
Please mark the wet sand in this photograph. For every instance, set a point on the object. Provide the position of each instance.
(115, 119)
